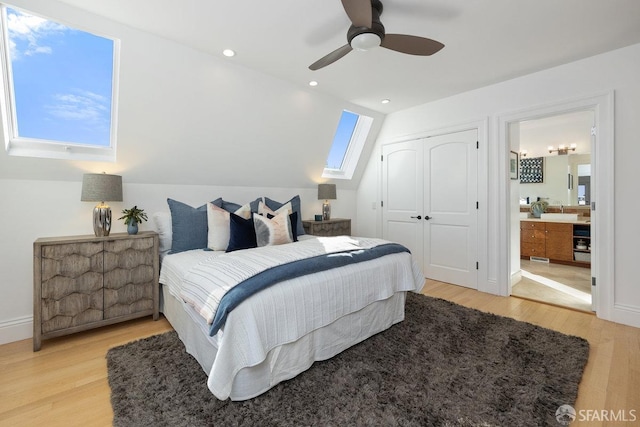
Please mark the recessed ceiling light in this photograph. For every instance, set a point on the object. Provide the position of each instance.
(313, 83)
(228, 52)
(386, 101)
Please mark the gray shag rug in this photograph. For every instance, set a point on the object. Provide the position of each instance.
(444, 365)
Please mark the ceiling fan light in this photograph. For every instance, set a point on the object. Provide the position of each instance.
(365, 41)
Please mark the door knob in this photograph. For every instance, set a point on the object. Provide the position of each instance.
(427, 217)
(419, 217)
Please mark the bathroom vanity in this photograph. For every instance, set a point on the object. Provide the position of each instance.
(565, 242)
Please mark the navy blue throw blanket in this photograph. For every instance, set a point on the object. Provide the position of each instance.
(291, 270)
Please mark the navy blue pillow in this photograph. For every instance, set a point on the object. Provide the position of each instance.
(188, 226)
(242, 233)
(295, 206)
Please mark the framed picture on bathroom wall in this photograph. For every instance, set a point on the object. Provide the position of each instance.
(513, 165)
(531, 170)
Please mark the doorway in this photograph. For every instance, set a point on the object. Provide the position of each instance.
(562, 144)
(556, 284)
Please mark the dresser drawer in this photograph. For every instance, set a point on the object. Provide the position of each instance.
(532, 249)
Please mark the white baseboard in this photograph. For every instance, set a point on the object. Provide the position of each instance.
(17, 329)
(627, 315)
(490, 287)
(516, 277)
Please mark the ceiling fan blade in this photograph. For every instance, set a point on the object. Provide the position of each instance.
(359, 12)
(412, 45)
(331, 58)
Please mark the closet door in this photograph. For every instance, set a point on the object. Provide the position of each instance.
(429, 196)
(402, 192)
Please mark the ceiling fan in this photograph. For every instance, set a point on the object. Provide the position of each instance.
(367, 32)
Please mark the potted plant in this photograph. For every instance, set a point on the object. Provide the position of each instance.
(132, 217)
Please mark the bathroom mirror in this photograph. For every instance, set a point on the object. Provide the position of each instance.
(566, 175)
(567, 181)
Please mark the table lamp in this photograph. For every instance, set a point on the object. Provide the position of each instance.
(326, 192)
(101, 187)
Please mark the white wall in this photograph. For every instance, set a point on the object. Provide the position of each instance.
(617, 71)
(192, 127)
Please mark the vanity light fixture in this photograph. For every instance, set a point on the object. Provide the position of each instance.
(562, 149)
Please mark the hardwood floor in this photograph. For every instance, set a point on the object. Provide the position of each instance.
(65, 383)
(558, 284)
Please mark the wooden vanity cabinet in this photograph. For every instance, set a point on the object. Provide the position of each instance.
(559, 241)
(550, 240)
(532, 239)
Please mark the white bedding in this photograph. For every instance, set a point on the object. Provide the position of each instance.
(206, 283)
(293, 315)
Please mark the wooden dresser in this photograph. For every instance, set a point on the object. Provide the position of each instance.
(84, 282)
(331, 227)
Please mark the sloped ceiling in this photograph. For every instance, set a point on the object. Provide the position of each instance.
(485, 41)
(188, 115)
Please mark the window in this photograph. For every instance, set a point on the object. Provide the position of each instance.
(347, 146)
(59, 89)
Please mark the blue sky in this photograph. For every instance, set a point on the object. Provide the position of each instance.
(62, 81)
(341, 139)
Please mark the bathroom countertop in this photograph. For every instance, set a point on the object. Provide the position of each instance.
(578, 221)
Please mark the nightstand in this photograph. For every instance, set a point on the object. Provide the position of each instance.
(84, 282)
(331, 227)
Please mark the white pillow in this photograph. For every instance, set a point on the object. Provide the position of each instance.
(274, 231)
(244, 211)
(162, 225)
(218, 228)
(263, 209)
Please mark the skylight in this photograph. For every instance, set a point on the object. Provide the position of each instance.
(348, 142)
(59, 89)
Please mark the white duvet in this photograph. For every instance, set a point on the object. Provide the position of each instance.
(206, 283)
(292, 309)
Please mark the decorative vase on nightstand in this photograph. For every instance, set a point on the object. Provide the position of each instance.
(132, 227)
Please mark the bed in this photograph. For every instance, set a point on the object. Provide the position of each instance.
(280, 331)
